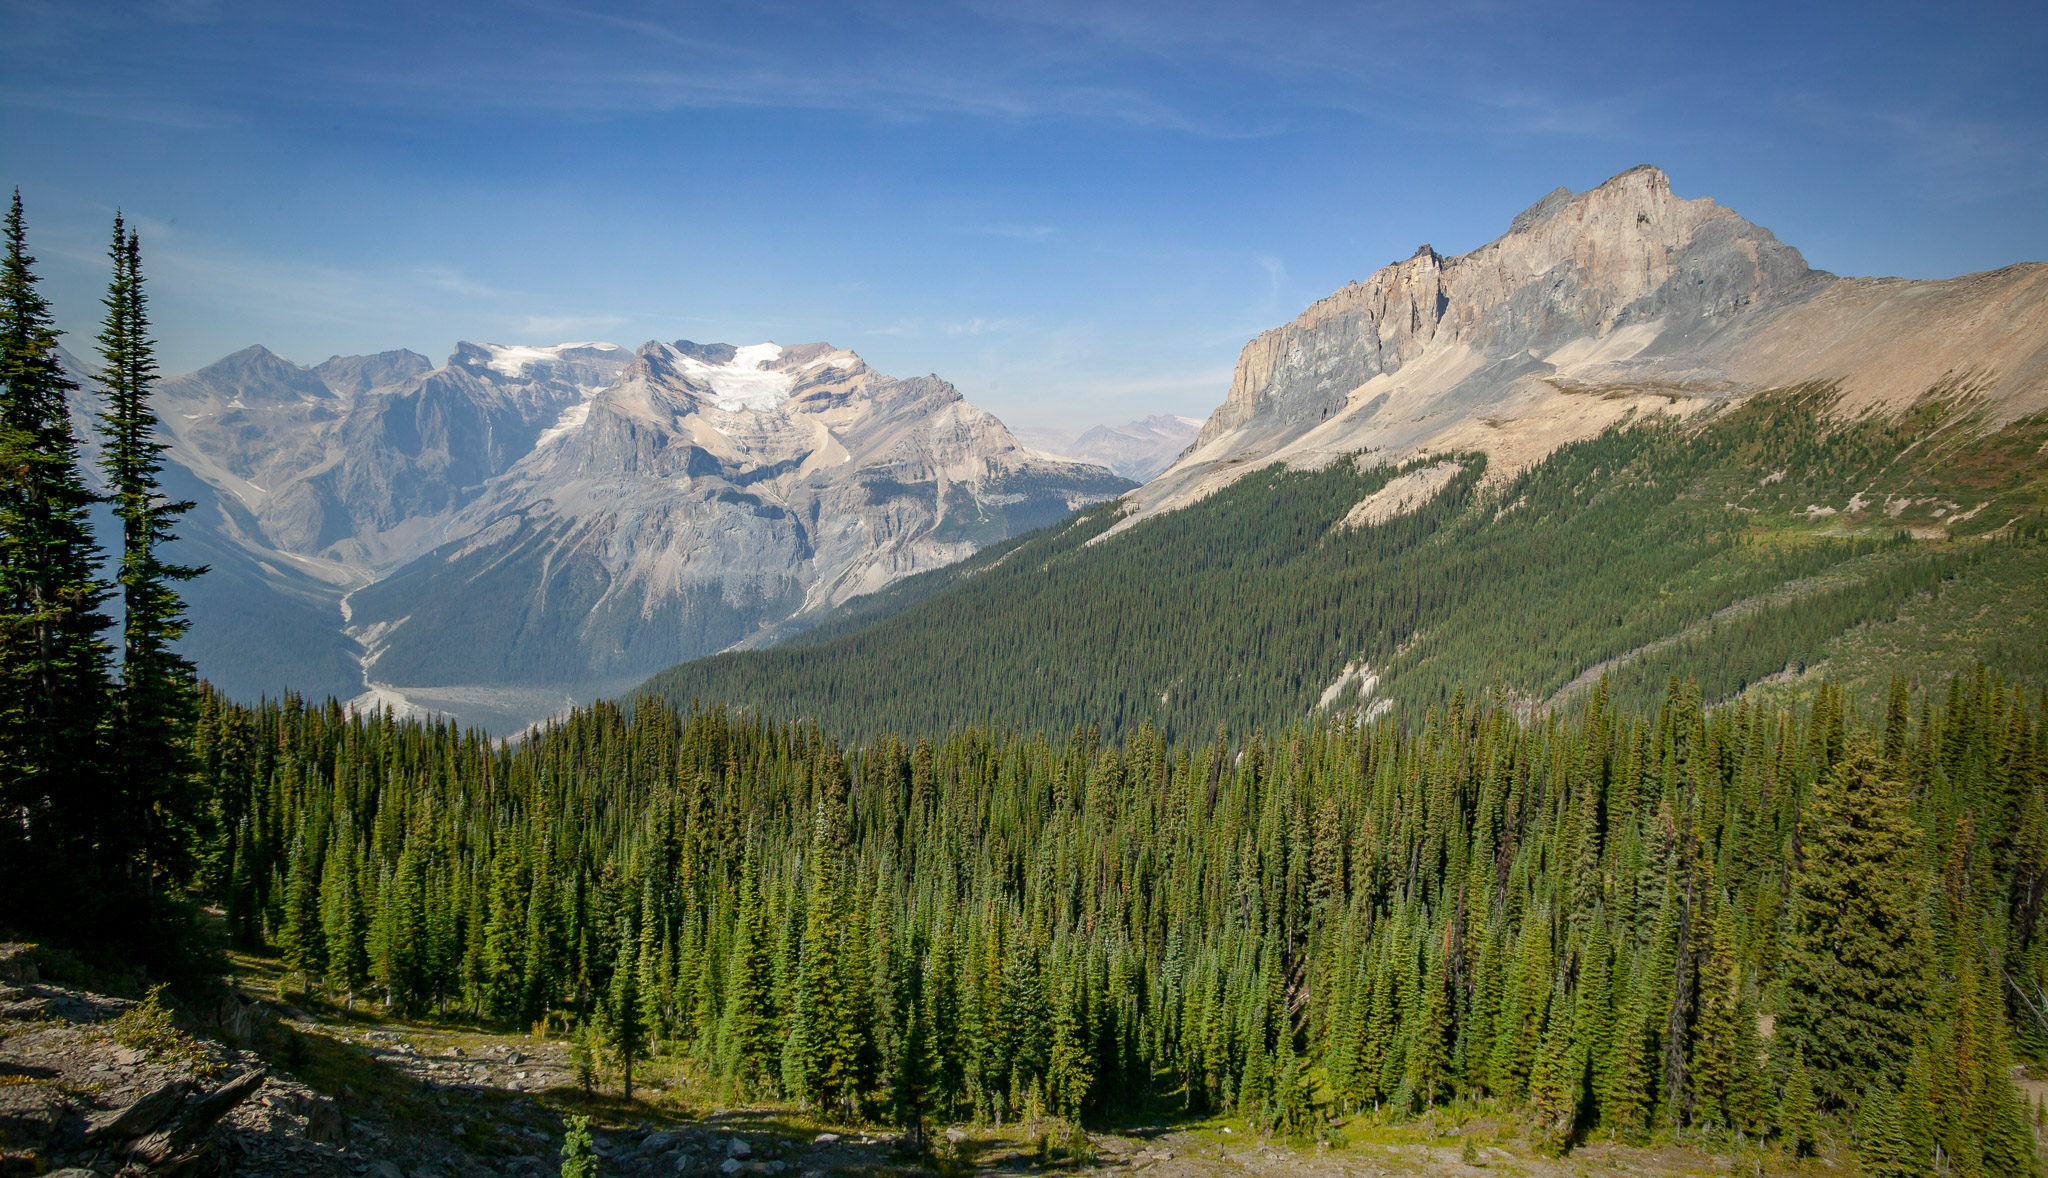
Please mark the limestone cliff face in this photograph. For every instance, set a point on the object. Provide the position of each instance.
(1653, 302)
(1628, 252)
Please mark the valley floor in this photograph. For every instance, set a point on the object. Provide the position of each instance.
(337, 1092)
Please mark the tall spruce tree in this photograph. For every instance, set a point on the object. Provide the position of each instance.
(53, 661)
(1798, 1127)
(1855, 987)
(748, 1032)
(151, 751)
(821, 1012)
(625, 1025)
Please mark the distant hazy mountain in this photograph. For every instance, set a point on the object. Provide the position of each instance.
(525, 525)
(1136, 450)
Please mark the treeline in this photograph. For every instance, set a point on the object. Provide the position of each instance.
(98, 794)
(1241, 609)
(1735, 923)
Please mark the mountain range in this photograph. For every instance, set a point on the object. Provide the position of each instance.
(524, 526)
(1635, 436)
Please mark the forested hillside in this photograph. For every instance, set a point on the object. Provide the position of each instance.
(1733, 922)
(1728, 548)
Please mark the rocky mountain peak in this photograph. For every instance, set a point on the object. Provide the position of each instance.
(355, 375)
(750, 378)
(1655, 302)
(255, 373)
(1571, 265)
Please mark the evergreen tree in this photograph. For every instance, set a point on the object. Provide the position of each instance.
(1723, 1049)
(821, 1015)
(1798, 1126)
(1429, 1061)
(345, 924)
(302, 937)
(151, 758)
(1626, 1096)
(56, 836)
(914, 1078)
(1070, 1070)
(749, 1030)
(504, 950)
(1294, 1112)
(1553, 1091)
(1883, 1138)
(1855, 985)
(625, 1026)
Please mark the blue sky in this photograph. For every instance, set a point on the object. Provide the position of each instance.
(1077, 212)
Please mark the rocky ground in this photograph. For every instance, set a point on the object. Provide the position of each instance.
(91, 1084)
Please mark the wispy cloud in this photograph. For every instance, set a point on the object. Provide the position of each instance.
(978, 326)
(454, 281)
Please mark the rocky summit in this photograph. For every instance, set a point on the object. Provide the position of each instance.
(1592, 307)
(525, 526)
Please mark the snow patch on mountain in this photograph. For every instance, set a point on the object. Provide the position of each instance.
(512, 359)
(744, 382)
(572, 417)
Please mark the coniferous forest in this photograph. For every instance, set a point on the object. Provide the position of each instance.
(1734, 924)
(1656, 911)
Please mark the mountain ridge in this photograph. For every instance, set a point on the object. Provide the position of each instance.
(321, 486)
